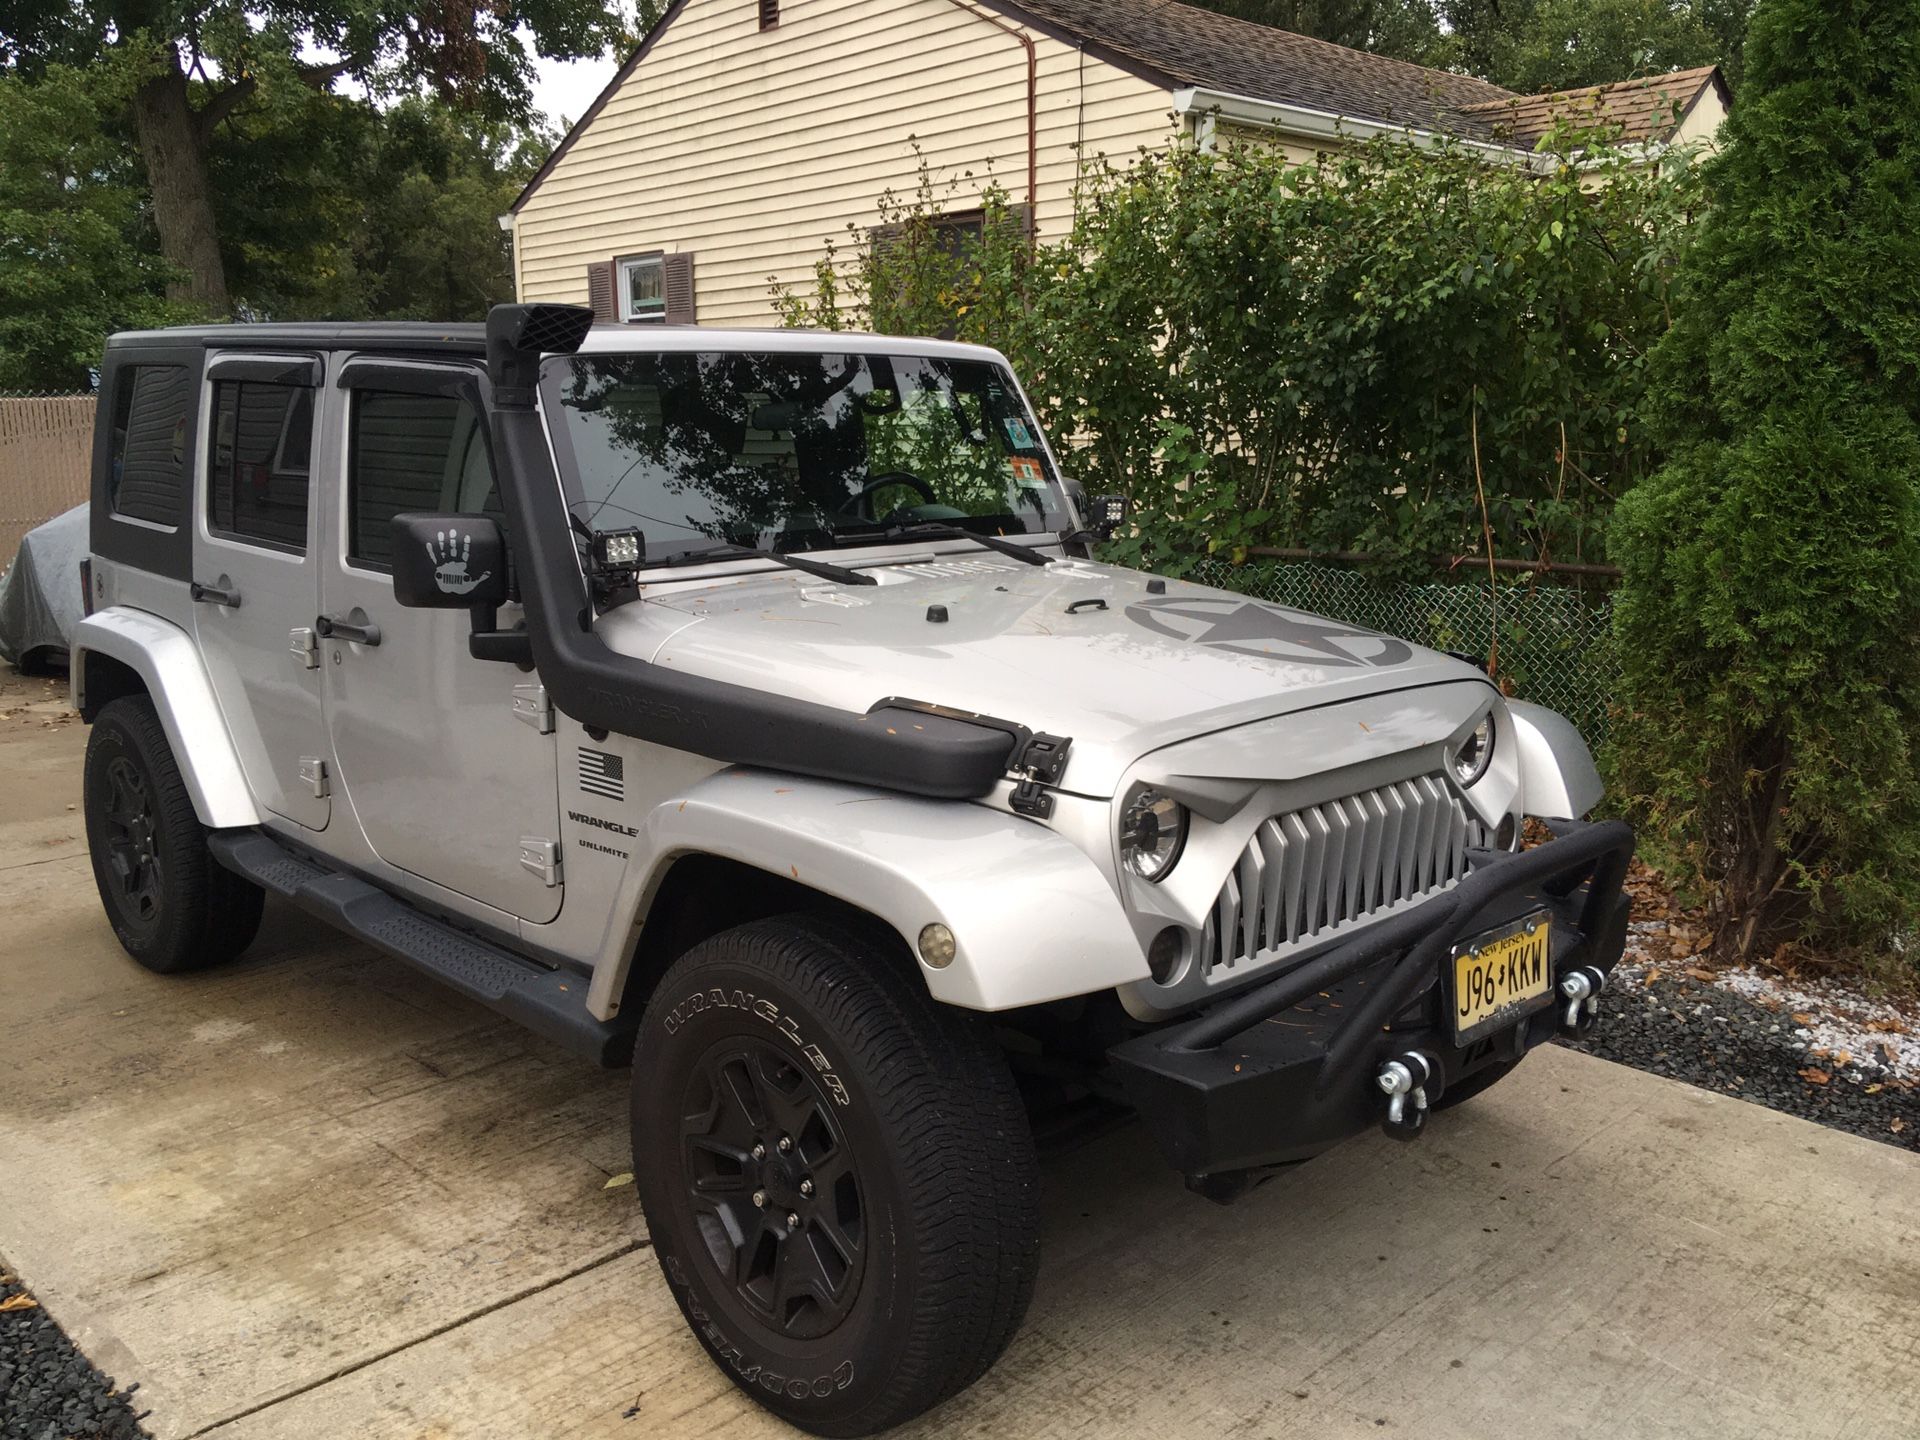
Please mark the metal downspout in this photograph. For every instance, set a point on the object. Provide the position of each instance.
(1033, 108)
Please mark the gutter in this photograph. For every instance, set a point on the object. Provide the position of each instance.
(1201, 107)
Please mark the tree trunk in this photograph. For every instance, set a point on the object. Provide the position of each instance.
(176, 160)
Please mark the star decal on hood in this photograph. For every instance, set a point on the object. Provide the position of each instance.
(1247, 627)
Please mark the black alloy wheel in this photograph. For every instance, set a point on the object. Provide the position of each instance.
(837, 1173)
(172, 907)
(133, 842)
(773, 1186)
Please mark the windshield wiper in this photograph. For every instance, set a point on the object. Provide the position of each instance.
(935, 530)
(837, 573)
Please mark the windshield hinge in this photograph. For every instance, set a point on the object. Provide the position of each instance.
(1039, 762)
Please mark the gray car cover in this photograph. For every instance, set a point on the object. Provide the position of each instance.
(40, 599)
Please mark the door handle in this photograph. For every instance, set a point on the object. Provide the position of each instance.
(328, 628)
(215, 595)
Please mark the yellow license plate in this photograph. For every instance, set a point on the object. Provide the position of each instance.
(1501, 975)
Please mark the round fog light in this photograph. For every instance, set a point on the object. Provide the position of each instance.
(937, 946)
(1165, 953)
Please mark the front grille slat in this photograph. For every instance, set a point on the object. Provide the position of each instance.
(1306, 874)
(1298, 844)
(1251, 880)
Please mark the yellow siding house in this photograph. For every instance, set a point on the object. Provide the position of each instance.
(745, 135)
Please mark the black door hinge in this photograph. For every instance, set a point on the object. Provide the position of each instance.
(1041, 761)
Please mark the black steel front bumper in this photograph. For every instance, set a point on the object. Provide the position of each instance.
(1290, 1068)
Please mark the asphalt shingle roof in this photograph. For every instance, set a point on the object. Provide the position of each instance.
(1644, 109)
(1197, 47)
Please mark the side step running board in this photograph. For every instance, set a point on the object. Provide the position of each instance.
(551, 1003)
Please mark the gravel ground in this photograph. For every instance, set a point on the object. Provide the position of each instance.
(1822, 1051)
(48, 1390)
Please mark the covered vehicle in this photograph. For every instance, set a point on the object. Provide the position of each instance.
(40, 599)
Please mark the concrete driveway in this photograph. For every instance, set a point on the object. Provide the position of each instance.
(312, 1195)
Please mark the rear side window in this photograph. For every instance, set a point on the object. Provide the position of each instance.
(257, 470)
(412, 452)
(149, 456)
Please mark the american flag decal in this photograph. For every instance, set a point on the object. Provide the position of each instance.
(603, 774)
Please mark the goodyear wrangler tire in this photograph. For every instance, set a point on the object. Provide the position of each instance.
(837, 1174)
(172, 906)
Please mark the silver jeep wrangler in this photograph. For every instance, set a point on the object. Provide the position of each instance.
(747, 706)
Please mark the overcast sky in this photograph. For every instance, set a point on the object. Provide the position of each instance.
(563, 91)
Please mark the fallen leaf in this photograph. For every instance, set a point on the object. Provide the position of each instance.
(1874, 1089)
(1879, 1027)
(1800, 1017)
(1699, 974)
(1815, 1077)
(18, 1302)
(1842, 1057)
(1896, 1125)
(625, 1177)
(1652, 975)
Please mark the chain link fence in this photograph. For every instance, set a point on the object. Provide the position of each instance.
(1556, 643)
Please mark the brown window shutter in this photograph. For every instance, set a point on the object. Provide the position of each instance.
(677, 280)
(1019, 219)
(601, 292)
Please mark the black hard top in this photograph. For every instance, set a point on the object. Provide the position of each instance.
(411, 336)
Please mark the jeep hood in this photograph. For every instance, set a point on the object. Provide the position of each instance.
(1074, 649)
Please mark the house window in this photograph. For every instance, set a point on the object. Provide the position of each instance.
(643, 289)
(769, 14)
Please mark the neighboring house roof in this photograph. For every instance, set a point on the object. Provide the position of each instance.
(1649, 109)
(1180, 45)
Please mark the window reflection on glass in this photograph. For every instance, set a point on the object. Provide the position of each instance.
(796, 451)
(643, 290)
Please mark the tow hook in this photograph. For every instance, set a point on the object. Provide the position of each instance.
(1404, 1078)
(1581, 990)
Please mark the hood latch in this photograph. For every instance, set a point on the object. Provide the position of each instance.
(1040, 762)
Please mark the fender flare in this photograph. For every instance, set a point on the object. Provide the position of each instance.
(165, 657)
(1032, 916)
(1558, 778)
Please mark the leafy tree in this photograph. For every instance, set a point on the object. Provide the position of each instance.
(1770, 618)
(198, 62)
(1336, 356)
(1404, 29)
(77, 256)
(1525, 45)
(1534, 45)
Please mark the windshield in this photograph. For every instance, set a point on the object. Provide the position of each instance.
(795, 451)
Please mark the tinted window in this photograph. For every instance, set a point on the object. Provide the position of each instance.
(257, 468)
(795, 450)
(148, 478)
(413, 452)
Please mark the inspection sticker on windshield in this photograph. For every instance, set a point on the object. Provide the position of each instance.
(1026, 472)
(1018, 435)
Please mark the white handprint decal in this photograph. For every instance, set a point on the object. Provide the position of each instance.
(448, 551)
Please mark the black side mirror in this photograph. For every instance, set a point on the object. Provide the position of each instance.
(448, 562)
(1107, 514)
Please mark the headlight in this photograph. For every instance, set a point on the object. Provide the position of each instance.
(1153, 828)
(1470, 761)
